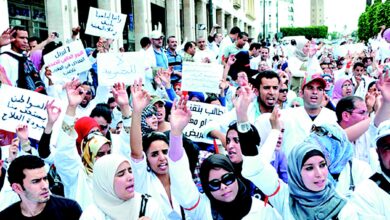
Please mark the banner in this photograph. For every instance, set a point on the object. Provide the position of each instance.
(120, 67)
(103, 23)
(202, 114)
(21, 106)
(201, 77)
(67, 62)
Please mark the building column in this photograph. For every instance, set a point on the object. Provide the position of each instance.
(229, 23)
(173, 18)
(220, 15)
(59, 17)
(235, 22)
(142, 20)
(4, 22)
(200, 8)
(113, 6)
(214, 16)
(189, 19)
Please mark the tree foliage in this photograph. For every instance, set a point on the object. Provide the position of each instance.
(370, 21)
(308, 32)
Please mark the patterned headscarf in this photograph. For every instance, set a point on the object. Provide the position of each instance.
(149, 111)
(304, 203)
(90, 146)
(334, 143)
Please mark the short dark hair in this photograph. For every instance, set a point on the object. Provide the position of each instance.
(293, 42)
(110, 100)
(242, 34)
(235, 30)
(268, 74)
(365, 59)
(145, 41)
(170, 38)
(15, 170)
(357, 64)
(188, 45)
(254, 45)
(33, 38)
(346, 104)
(16, 29)
(103, 110)
(153, 136)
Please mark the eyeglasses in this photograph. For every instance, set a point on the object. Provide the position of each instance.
(283, 90)
(347, 85)
(227, 179)
(320, 131)
(361, 112)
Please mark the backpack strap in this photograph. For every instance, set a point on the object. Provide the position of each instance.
(381, 181)
(351, 183)
(144, 201)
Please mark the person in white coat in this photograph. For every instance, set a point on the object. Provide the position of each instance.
(76, 172)
(308, 195)
(114, 196)
(225, 192)
(371, 199)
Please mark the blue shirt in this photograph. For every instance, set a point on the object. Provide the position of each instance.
(161, 59)
(176, 61)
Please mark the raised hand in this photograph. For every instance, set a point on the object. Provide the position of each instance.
(231, 60)
(241, 104)
(140, 97)
(180, 115)
(6, 37)
(74, 92)
(383, 84)
(165, 77)
(120, 94)
(22, 132)
(275, 118)
(13, 150)
(53, 112)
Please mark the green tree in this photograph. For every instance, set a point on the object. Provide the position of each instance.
(308, 32)
(362, 27)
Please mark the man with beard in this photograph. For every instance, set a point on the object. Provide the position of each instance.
(371, 198)
(86, 106)
(28, 178)
(157, 43)
(268, 83)
(299, 121)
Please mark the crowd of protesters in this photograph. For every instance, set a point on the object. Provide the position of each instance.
(305, 135)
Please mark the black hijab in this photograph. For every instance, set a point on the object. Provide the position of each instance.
(241, 205)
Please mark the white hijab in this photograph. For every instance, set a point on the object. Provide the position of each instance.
(103, 190)
(299, 50)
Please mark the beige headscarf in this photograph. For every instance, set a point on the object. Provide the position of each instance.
(299, 50)
(104, 195)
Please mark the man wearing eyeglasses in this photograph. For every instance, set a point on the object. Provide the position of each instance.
(157, 43)
(352, 115)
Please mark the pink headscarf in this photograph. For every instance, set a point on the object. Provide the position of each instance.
(338, 89)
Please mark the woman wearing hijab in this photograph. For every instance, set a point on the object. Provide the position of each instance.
(303, 61)
(308, 195)
(76, 172)
(345, 171)
(343, 87)
(114, 196)
(225, 192)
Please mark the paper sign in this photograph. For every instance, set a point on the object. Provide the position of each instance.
(67, 62)
(120, 67)
(202, 114)
(21, 106)
(103, 23)
(201, 77)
